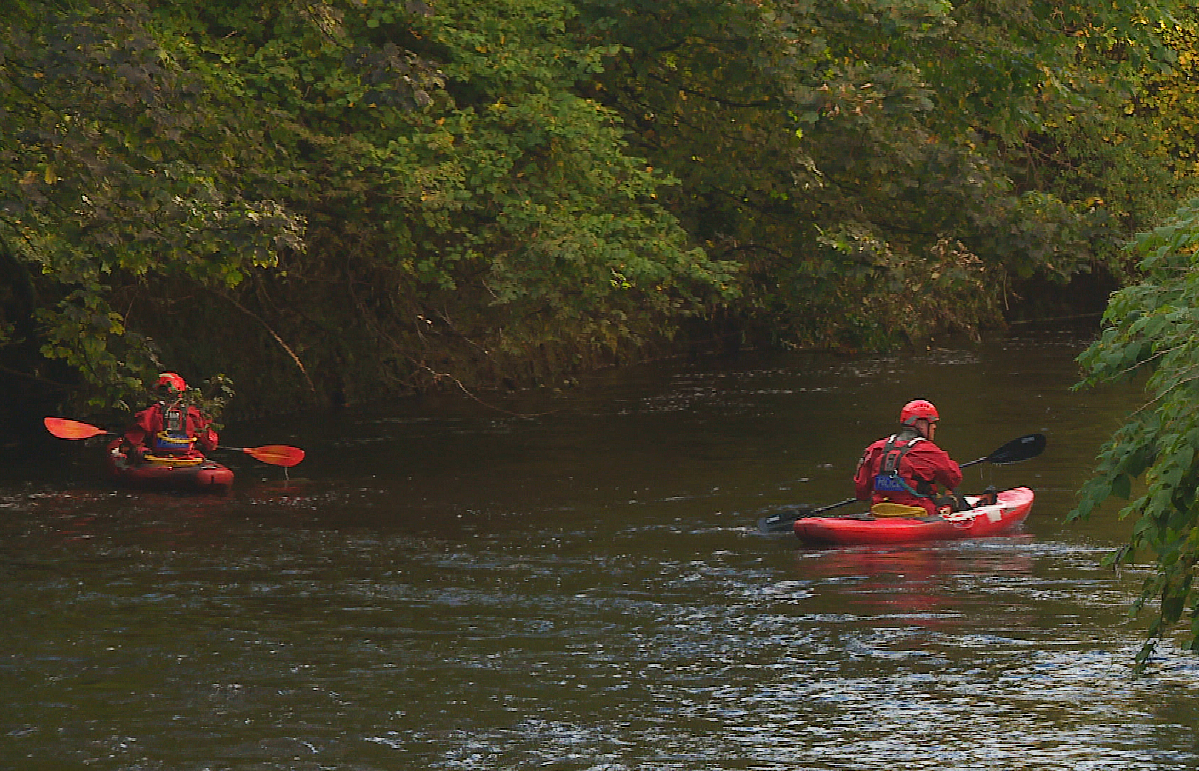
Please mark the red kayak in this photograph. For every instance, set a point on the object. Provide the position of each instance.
(1011, 509)
(197, 474)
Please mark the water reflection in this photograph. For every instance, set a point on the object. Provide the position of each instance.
(922, 585)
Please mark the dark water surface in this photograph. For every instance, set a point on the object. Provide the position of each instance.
(446, 586)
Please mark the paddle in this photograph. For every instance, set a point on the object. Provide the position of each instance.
(1024, 448)
(784, 521)
(274, 454)
(72, 429)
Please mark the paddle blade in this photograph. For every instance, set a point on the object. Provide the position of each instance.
(71, 429)
(1024, 448)
(276, 454)
(784, 521)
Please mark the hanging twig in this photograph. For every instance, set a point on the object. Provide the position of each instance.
(439, 376)
(279, 340)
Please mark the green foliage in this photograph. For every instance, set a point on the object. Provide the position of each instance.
(1152, 331)
(212, 397)
(346, 198)
(840, 151)
(356, 191)
(473, 214)
(1168, 105)
(116, 167)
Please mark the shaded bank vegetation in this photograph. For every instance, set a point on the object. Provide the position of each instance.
(1151, 464)
(341, 200)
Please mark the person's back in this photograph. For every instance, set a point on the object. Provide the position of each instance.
(907, 467)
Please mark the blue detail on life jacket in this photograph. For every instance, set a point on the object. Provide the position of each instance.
(888, 480)
(892, 483)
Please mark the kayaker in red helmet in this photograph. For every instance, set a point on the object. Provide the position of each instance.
(905, 469)
(169, 427)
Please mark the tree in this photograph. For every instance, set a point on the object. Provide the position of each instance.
(117, 166)
(888, 169)
(372, 197)
(470, 217)
(1168, 105)
(1152, 332)
(368, 196)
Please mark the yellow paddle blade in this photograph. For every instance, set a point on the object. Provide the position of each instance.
(71, 429)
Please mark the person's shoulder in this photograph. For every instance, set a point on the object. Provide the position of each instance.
(928, 445)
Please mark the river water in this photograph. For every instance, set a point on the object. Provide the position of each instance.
(572, 581)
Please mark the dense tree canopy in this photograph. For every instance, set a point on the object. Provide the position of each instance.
(1167, 105)
(348, 198)
(883, 166)
(386, 192)
(115, 169)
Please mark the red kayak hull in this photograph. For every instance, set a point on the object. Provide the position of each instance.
(206, 476)
(1011, 509)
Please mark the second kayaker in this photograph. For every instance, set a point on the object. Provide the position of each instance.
(907, 471)
(169, 427)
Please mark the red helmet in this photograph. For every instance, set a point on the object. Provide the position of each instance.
(171, 381)
(917, 409)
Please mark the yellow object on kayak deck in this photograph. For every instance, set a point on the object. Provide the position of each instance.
(172, 460)
(887, 509)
